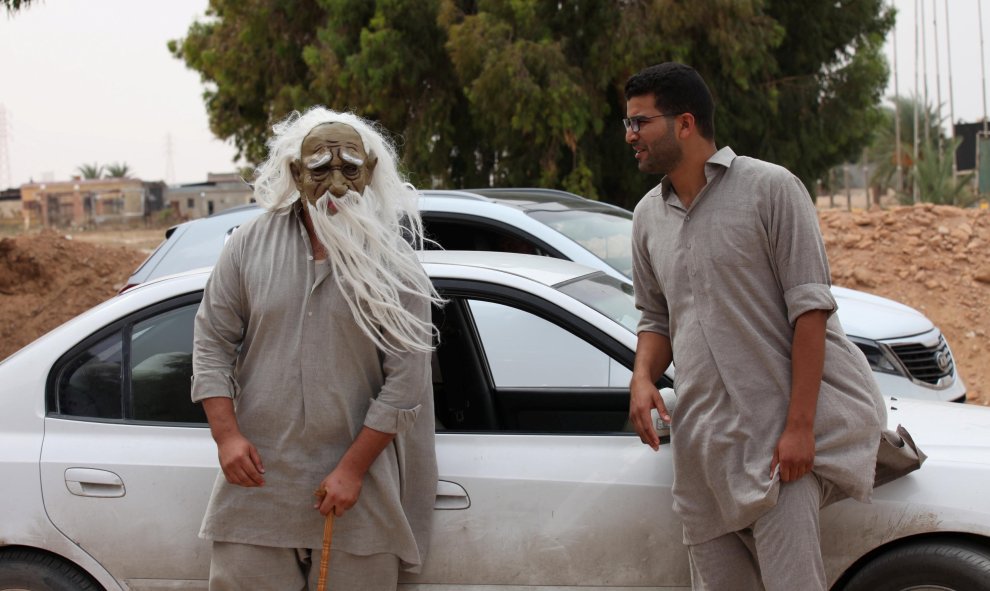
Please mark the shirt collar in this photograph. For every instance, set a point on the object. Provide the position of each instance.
(722, 159)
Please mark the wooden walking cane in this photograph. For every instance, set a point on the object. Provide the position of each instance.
(321, 584)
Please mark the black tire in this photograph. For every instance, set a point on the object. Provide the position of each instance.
(22, 569)
(928, 566)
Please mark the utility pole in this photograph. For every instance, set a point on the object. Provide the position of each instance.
(938, 81)
(952, 108)
(6, 176)
(924, 71)
(983, 67)
(914, 183)
(898, 160)
(169, 161)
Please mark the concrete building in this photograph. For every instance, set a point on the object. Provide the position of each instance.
(84, 202)
(10, 206)
(220, 191)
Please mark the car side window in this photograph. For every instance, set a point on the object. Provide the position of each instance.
(90, 383)
(463, 235)
(139, 372)
(526, 351)
(161, 368)
(508, 369)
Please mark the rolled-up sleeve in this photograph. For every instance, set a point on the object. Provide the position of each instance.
(649, 296)
(799, 251)
(219, 329)
(408, 381)
(808, 297)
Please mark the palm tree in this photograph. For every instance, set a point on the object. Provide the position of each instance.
(933, 173)
(118, 170)
(883, 153)
(90, 171)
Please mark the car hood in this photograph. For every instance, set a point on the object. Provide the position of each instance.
(872, 317)
(948, 431)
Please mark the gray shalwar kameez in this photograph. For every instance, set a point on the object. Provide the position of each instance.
(275, 334)
(725, 280)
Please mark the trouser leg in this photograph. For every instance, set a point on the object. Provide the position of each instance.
(788, 538)
(236, 567)
(349, 572)
(727, 562)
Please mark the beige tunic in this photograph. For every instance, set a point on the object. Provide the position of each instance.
(725, 280)
(275, 334)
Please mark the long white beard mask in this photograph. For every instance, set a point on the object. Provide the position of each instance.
(373, 265)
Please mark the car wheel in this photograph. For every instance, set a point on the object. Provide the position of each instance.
(926, 566)
(28, 570)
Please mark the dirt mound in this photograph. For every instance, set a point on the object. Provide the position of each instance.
(935, 259)
(47, 279)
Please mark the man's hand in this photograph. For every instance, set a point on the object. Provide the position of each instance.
(643, 397)
(794, 454)
(339, 492)
(240, 461)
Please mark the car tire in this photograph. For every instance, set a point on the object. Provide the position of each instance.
(28, 570)
(952, 566)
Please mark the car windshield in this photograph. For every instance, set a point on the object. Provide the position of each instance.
(606, 234)
(606, 294)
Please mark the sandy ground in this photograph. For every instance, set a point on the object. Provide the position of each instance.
(933, 258)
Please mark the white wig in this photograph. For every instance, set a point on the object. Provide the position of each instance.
(370, 242)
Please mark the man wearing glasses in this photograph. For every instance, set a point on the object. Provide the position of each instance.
(777, 413)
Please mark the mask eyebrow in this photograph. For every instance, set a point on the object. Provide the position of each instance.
(355, 160)
(319, 159)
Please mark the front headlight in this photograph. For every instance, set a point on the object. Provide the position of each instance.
(878, 357)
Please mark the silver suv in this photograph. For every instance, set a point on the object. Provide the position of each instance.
(909, 356)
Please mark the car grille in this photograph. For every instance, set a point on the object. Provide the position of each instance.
(926, 364)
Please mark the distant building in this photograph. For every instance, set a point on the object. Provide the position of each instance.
(83, 202)
(966, 152)
(10, 205)
(220, 191)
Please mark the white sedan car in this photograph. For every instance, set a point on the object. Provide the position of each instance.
(106, 467)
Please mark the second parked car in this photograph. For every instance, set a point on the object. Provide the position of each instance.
(908, 354)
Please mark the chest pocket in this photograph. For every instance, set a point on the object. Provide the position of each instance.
(739, 240)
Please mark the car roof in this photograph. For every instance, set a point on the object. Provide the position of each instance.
(197, 242)
(542, 269)
(528, 199)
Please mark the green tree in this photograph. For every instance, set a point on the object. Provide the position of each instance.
(90, 171)
(118, 170)
(13, 6)
(529, 92)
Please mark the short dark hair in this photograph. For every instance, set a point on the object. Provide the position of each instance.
(677, 88)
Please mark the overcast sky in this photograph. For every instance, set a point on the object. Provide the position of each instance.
(84, 81)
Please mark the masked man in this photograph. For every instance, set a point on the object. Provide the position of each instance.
(312, 361)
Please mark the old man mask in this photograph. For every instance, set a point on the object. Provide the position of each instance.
(333, 167)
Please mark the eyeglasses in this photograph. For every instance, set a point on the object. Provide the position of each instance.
(633, 123)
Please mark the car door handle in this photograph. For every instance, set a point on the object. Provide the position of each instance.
(451, 495)
(90, 482)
